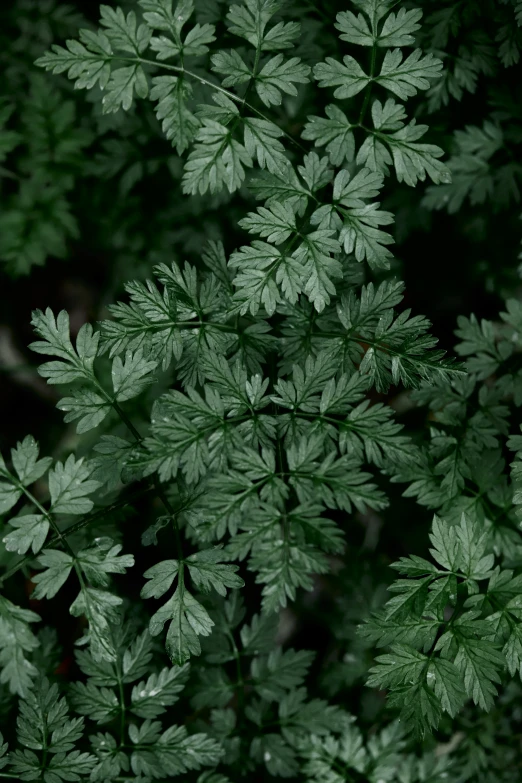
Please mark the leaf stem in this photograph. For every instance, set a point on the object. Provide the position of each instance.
(239, 674)
(122, 703)
(232, 96)
(47, 514)
(57, 539)
(373, 62)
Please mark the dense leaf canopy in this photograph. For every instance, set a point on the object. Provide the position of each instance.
(260, 419)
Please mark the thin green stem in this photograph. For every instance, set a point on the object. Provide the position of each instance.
(285, 524)
(128, 423)
(286, 249)
(45, 748)
(58, 533)
(373, 62)
(217, 87)
(99, 514)
(387, 349)
(122, 703)
(79, 574)
(445, 625)
(240, 683)
(168, 324)
(244, 103)
(256, 61)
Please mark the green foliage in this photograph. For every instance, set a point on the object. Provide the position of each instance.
(474, 645)
(254, 392)
(44, 726)
(189, 619)
(331, 759)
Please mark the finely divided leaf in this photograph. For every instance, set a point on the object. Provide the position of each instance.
(207, 572)
(69, 485)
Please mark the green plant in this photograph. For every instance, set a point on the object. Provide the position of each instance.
(234, 411)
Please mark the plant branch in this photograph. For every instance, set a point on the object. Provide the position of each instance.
(57, 539)
(232, 96)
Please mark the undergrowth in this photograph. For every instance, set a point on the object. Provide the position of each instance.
(260, 427)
